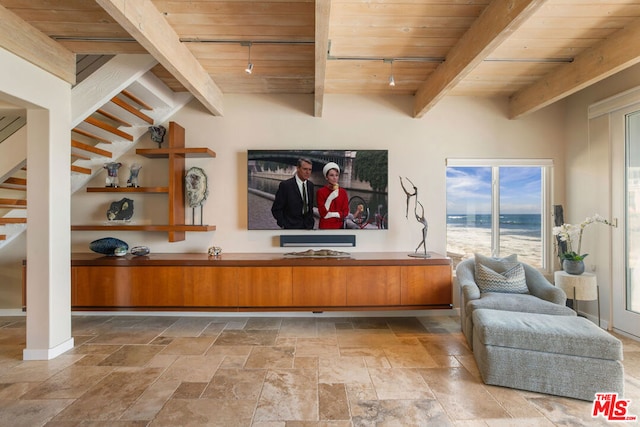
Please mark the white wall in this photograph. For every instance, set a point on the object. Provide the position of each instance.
(456, 127)
(11, 257)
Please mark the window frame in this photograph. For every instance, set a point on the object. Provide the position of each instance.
(546, 209)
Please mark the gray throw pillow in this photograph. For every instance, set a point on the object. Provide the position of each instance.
(512, 281)
(499, 265)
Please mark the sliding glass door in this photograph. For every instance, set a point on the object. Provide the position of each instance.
(625, 127)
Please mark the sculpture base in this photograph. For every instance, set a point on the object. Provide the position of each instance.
(417, 255)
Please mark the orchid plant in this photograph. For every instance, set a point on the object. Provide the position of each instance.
(569, 233)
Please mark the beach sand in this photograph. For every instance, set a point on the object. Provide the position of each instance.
(463, 242)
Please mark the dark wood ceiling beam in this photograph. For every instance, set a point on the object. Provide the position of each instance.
(498, 21)
(148, 26)
(614, 54)
(323, 9)
(27, 42)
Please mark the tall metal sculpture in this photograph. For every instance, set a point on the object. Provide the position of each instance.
(419, 217)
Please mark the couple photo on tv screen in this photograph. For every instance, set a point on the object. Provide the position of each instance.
(350, 185)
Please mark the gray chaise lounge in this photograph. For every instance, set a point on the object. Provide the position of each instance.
(523, 336)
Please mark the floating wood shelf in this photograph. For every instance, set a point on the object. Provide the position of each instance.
(158, 153)
(134, 227)
(127, 189)
(175, 152)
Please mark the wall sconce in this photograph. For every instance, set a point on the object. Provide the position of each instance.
(249, 68)
(392, 81)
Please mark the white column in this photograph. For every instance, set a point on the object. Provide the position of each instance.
(48, 233)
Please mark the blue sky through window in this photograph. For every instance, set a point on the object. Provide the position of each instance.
(520, 190)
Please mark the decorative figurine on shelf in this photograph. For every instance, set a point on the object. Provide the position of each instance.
(133, 175)
(157, 134)
(214, 251)
(121, 210)
(320, 253)
(109, 246)
(112, 174)
(140, 250)
(195, 182)
(419, 217)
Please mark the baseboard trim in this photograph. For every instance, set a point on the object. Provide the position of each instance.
(47, 354)
(386, 313)
(382, 313)
(9, 312)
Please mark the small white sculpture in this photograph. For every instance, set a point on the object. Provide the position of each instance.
(112, 174)
(133, 175)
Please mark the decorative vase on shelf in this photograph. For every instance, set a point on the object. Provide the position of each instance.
(573, 267)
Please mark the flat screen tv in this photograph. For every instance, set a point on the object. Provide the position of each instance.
(363, 174)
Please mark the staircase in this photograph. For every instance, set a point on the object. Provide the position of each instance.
(112, 109)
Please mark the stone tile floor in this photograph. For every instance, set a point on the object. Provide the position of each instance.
(271, 372)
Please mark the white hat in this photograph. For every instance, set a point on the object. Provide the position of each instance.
(328, 167)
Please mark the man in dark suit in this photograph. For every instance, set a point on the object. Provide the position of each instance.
(293, 205)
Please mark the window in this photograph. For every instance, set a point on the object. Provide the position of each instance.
(497, 207)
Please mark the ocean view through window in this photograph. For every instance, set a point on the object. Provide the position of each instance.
(497, 210)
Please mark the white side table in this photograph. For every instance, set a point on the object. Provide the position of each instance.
(583, 287)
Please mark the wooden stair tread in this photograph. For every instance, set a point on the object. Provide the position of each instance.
(137, 100)
(8, 187)
(13, 220)
(130, 108)
(90, 135)
(107, 127)
(90, 148)
(13, 202)
(113, 117)
(79, 169)
(15, 181)
(76, 156)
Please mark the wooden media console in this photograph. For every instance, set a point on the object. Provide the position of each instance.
(260, 282)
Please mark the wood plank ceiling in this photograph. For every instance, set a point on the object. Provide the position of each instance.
(533, 51)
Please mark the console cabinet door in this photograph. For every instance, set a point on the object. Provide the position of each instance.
(210, 287)
(127, 286)
(264, 286)
(373, 286)
(319, 286)
(429, 285)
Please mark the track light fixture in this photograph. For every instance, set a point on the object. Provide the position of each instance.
(249, 68)
(392, 81)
